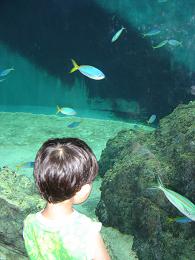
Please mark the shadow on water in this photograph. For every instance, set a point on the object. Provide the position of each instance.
(50, 33)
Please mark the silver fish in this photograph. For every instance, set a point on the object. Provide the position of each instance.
(117, 34)
(152, 32)
(5, 72)
(183, 204)
(174, 43)
(161, 44)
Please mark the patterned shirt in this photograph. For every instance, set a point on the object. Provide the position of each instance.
(70, 239)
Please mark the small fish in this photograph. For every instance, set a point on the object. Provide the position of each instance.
(1, 80)
(88, 71)
(66, 111)
(192, 90)
(161, 44)
(117, 34)
(184, 205)
(25, 165)
(174, 43)
(74, 124)
(162, 1)
(181, 220)
(152, 32)
(151, 119)
(5, 72)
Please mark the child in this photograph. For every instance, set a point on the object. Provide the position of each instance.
(64, 171)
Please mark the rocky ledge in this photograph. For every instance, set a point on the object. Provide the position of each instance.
(130, 165)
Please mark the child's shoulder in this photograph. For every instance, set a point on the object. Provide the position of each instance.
(30, 220)
(86, 221)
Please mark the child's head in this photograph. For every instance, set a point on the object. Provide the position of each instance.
(62, 167)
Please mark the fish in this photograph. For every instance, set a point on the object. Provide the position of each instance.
(162, 1)
(184, 205)
(181, 220)
(117, 34)
(161, 44)
(25, 165)
(66, 111)
(174, 43)
(151, 119)
(87, 70)
(74, 124)
(192, 90)
(1, 80)
(5, 72)
(152, 32)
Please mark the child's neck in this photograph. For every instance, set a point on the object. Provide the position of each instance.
(58, 210)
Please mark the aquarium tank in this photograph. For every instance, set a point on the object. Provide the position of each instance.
(120, 75)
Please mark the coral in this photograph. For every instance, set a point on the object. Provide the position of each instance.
(18, 197)
(129, 166)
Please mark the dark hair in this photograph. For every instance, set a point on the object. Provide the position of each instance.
(62, 167)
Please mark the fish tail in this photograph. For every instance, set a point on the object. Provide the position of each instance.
(160, 184)
(75, 66)
(170, 220)
(19, 166)
(58, 109)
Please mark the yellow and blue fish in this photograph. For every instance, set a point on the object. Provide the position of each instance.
(25, 165)
(66, 111)
(181, 220)
(87, 70)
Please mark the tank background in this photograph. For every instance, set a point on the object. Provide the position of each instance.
(50, 33)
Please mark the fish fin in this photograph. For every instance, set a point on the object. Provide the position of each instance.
(75, 66)
(58, 109)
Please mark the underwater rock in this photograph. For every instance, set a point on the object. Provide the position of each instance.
(18, 197)
(129, 164)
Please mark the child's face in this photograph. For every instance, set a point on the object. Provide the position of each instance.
(83, 194)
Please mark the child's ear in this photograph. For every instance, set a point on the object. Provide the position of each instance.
(82, 194)
(85, 189)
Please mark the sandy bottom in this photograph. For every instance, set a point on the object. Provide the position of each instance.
(21, 135)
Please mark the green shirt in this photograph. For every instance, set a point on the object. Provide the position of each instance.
(70, 238)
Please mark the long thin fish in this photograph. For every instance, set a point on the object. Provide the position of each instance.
(117, 34)
(183, 204)
(161, 44)
(5, 72)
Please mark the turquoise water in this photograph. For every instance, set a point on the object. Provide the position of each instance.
(149, 71)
